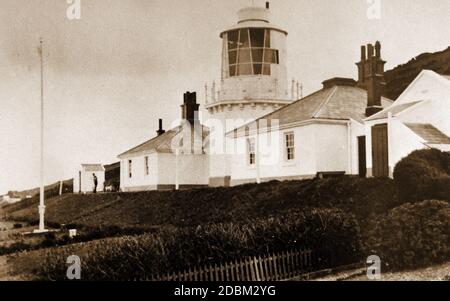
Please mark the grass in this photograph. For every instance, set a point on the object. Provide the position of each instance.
(362, 197)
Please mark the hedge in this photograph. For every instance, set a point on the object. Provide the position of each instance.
(412, 235)
(326, 231)
(424, 175)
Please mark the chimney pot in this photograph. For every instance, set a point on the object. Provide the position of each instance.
(160, 131)
(189, 109)
(378, 49)
(369, 51)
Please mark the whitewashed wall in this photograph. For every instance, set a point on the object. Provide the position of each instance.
(224, 120)
(139, 180)
(87, 182)
(192, 169)
(434, 91)
(401, 142)
(318, 148)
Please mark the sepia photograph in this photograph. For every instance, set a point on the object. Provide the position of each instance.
(225, 147)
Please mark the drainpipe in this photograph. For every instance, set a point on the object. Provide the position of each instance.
(177, 184)
(389, 134)
(350, 148)
(258, 171)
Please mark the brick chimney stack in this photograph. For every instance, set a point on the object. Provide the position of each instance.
(371, 76)
(160, 131)
(189, 109)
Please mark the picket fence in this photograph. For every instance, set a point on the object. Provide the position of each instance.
(274, 267)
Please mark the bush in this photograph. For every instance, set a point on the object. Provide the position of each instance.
(17, 226)
(412, 235)
(50, 240)
(326, 231)
(424, 175)
(14, 248)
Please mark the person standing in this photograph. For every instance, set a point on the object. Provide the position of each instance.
(95, 182)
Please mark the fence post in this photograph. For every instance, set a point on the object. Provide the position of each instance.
(274, 267)
(216, 273)
(255, 266)
(195, 274)
(222, 277)
(261, 269)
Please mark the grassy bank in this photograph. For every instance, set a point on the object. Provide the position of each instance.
(363, 197)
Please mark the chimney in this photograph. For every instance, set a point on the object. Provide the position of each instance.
(189, 109)
(378, 49)
(362, 68)
(160, 131)
(371, 76)
(363, 53)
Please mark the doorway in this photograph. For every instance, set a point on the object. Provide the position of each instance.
(380, 151)
(362, 162)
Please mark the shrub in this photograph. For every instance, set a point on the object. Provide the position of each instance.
(424, 175)
(412, 235)
(174, 249)
(50, 240)
(14, 248)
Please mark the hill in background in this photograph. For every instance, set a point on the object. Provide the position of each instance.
(399, 78)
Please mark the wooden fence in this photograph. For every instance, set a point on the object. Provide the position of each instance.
(280, 266)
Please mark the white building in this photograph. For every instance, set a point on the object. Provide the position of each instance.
(84, 182)
(256, 132)
(321, 134)
(253, 83)
(419, 119)
(173, 159)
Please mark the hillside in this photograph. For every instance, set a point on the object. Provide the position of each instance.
(67, 187)
(399, 78)
(211, 205)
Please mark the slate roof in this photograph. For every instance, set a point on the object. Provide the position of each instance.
(92, 167)
(340, 102)
(395, 110)
(429, 133)
(161, 143)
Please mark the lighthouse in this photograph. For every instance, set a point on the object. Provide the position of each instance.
(253, 80)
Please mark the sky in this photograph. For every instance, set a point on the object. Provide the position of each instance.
(112, 73)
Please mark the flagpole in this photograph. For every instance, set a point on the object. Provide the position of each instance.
(42, 189)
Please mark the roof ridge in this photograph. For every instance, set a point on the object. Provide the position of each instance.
(278, 110)
(150, 140)
(327, 100)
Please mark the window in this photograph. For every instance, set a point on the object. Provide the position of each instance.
(130, 168)
(251, 150)
(290, 146)
(147, 168)
(249, 52)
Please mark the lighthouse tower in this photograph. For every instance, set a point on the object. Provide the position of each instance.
(253, 80)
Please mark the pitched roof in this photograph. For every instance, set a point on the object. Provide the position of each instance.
(394, 109)
(340, 102)
(92, 167)
(161, 143)
(429, 133)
